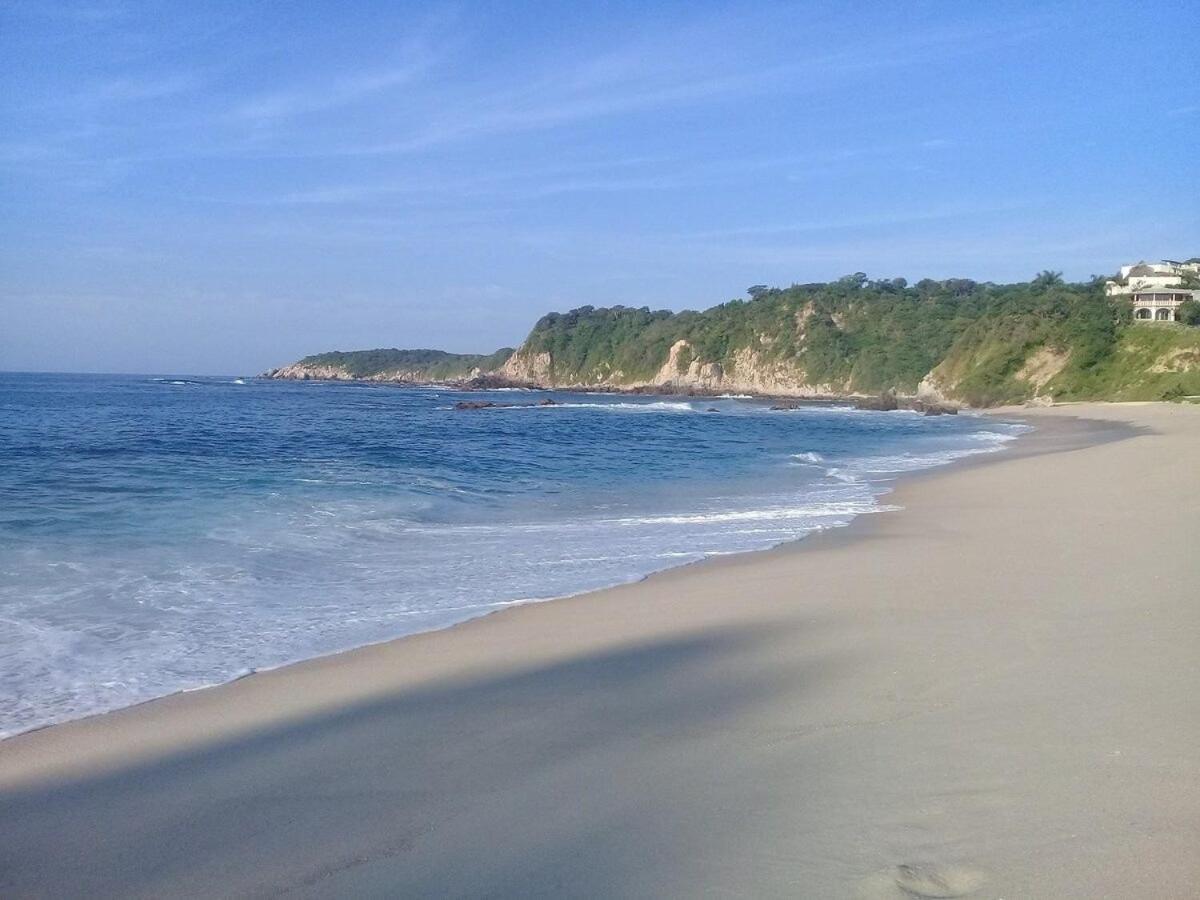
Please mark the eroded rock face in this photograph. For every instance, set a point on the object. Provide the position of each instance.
(1183, 359)
(1041, 367)
(298, 372)
(677, 364)
(747, 370)
(933, 388)
(527, 367)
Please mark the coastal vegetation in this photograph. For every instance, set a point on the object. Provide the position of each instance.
(972, 342)
(431, 365)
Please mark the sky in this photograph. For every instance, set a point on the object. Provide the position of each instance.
(206, 187)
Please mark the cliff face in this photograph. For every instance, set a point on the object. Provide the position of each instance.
(745, 372)
(950, 341)
(301, 371)
(529, 367)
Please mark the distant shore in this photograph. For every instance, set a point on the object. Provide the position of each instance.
(990, 690)
(886, 401)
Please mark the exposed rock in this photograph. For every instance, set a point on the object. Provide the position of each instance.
(1183, 359)
(885, 402)
(1041, 366)
(492, 404)
(933, 408)
(934, 386)
(488, 381)
(529, 368)
(478, 404)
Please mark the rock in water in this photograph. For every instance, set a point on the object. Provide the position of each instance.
(885, 402)
(932, 408)
(475, 404)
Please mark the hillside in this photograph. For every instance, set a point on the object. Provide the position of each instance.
(976, 343)
(404, 366)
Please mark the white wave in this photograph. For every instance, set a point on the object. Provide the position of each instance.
(657, 406)
(803, 511)
(867, 468)
(817, 407)
(782, 513)
(809, 457)
(653, 406)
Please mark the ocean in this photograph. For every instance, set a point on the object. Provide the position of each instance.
(160, 534)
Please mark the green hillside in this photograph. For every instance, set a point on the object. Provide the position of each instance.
(437, 365)
(982, 344)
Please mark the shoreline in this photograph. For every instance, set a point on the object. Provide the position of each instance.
(487, 385)
(895, 479)
(938, 690)
(1086, 431)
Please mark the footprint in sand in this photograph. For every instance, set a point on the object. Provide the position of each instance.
(922, 880)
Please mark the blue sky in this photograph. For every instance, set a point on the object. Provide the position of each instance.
(208, 187)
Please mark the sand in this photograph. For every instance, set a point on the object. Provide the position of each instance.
(994, 692)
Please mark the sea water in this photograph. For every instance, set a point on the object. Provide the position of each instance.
(165, 533)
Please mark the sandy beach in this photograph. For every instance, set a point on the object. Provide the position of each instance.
(991, 692)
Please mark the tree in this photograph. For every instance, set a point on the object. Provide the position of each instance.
(1046, 278)
(757, 290)
(1188, 312)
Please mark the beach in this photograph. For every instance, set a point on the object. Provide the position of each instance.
(989, 692)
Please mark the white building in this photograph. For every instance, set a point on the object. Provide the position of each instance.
(1155, 289)
(1160, 304)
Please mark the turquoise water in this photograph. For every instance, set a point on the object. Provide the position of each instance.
(161, 534)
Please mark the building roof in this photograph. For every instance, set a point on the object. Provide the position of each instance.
(1144, 269)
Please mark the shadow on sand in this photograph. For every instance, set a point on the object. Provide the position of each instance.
(568, 779)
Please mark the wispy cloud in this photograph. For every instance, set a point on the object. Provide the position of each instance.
(425, 42)
(402, 110)
(669, 73)
(342, 91)
(132, 90)
(639, 174)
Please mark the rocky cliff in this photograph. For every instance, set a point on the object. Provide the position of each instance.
(953, 341)
(744, 372)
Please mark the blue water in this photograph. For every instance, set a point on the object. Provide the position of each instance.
(159, 534)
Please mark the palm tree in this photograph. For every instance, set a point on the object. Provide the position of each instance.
(1046, 278)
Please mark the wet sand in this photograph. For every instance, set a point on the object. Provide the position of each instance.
(992, 693)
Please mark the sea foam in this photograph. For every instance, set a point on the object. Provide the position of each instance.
(158, 537)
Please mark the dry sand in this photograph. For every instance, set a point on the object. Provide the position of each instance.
(993, 692)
